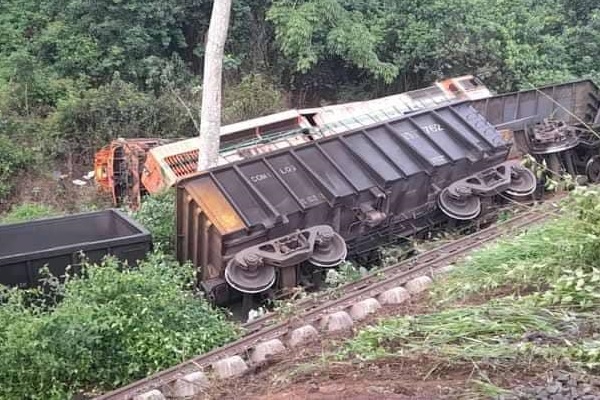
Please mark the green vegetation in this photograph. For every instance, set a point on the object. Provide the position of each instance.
(157, 214)
(535, 300)
(494, 330)
(13, 158)
(345, 273)
(110, 327)
(75, 74)
(511, 43)
(27, 212)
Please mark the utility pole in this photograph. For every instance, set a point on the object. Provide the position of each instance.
(210, 116)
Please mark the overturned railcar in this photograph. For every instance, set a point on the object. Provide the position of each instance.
(277, 220)
(556, 124)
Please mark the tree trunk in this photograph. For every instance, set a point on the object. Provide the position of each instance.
(210, 119)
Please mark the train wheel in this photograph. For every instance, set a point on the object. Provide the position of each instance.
(330, 250)
(249, 280)
(522, 182)
(463, 208)
(592, 169)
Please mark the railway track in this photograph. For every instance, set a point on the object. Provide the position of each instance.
(313, 311)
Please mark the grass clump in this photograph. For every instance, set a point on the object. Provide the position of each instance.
(547, 314)
(27, 212)
(497, 329)
(543, 257)
(110, 327)
(504, 332)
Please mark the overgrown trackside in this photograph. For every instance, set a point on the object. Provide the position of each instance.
(13, 159)
(109, 328)
(547, 313)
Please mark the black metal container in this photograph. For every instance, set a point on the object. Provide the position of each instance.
(572, 102)
(58, 242)
(556, 124)
(251, 222)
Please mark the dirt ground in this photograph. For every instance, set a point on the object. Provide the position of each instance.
(312, 373)
(309, 374)
(54, 187)
(401, 378)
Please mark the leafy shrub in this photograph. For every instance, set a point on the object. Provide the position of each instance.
(13, 158)
(254, 96)
(157, 214)
(111, 327)
(28, 88)
(28, 212)
(83, 123)
(30, 133)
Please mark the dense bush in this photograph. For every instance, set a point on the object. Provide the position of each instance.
(30, 90)
(157, 214)
(256, 95)
(88, 121)
(109, 328)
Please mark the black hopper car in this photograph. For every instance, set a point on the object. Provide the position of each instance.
(266, 224)
(269, 223)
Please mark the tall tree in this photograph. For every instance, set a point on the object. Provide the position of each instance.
(210, 119)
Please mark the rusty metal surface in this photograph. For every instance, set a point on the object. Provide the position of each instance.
(117, 168)
(311, 310)
(210, 200)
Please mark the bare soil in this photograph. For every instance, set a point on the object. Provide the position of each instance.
(306, 374)
(54, 187)
(309, 372)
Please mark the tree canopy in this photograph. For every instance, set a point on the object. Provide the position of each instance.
(74, 71)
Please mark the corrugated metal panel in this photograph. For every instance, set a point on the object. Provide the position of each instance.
(343, 117)
(265, 190)
(254, 137)
(178, 160)
(573, 102)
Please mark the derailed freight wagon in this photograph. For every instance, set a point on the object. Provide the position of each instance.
(59, 242)
(278, 220)
(555, 124)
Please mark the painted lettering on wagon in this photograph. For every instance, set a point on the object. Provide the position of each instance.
(287, 169)
(432, 128)
(428, 129)
(260, 177)
(312, 199)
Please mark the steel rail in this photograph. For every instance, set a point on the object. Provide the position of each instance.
(310, 311)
